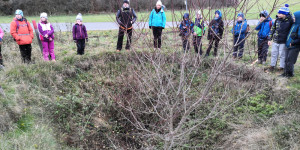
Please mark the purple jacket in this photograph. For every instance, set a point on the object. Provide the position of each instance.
(46, 28)
(79, 32)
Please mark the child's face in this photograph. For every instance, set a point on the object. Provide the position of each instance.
(186, 19)
(43, 19)
(282, 16)
(125, 5)
(199, 16)
(78, 22)
(217, 15)
(263, 18)
(240, 19)
(18, 16)
(158, 6)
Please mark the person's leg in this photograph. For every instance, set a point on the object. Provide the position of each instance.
(235, 49)
(241, 48)
(282, 51)
(260, 50)
(26, 53)
(195, 44)
(265, 49)
(155, 35)
(159, 37)
(211, 42)
(51, 50)
(82, 47)
(184, 43)
(129, 36)
(291, 59)
(274, 54)
(78, 43)
(45, 50)
(200, 44)
(22, 51)
(120, 39)
(1, 59)
(216, 47)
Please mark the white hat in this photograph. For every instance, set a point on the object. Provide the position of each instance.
(44, 15)
(159, 3)
(199, 13)
(79, 17)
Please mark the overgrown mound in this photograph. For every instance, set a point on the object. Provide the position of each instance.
(145, 100)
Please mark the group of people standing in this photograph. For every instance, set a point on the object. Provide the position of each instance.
(284, 33)
(22, 33)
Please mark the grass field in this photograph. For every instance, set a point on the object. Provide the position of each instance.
(143, 16)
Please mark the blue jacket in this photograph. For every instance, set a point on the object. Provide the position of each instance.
(294, 34)
(157, 19)
(240, 28)
(186, 26)
(264, 28)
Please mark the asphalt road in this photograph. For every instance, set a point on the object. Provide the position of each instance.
(98, 26)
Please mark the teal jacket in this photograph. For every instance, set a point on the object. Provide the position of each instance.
(157, 19)
(294, 34)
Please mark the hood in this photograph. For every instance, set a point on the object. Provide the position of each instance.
(220, 13)
(186, 16)
(297, 16)
(266, 14)
(241, 15)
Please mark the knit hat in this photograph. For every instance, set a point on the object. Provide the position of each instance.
(79, 17)
(159, 3)
(126, 1)
(284, 10)
(241, 15)
(199, 13)
(44, 15)
(19, 12)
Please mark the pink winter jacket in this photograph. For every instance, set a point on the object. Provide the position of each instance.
(1, 33)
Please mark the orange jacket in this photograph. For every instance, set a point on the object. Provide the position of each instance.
(24, 35)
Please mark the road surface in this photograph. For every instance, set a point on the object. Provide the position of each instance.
(98, 26)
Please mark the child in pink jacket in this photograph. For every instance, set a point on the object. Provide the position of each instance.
(1, 37)
(47, 37)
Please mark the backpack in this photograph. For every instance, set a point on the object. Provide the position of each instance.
(270, 24)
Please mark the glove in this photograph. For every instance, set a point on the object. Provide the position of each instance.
(150, 27)
(87, 40)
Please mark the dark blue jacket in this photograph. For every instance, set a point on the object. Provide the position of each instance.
(186, 26)
(264, 28)
(294, 34)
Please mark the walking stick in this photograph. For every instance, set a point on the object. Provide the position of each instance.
(37, 35)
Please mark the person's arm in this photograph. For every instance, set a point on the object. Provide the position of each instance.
(118, 18)
(13, 31)
(150, 19)
(1, 33)
(41, 30)
(272, 31)
(73, 31)
(51, 32)
(164, 18)
(258, 27)
(134, 16)
(85, 32)
(221, 29)
(30, 30)
(297, 40)
(244, 27)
